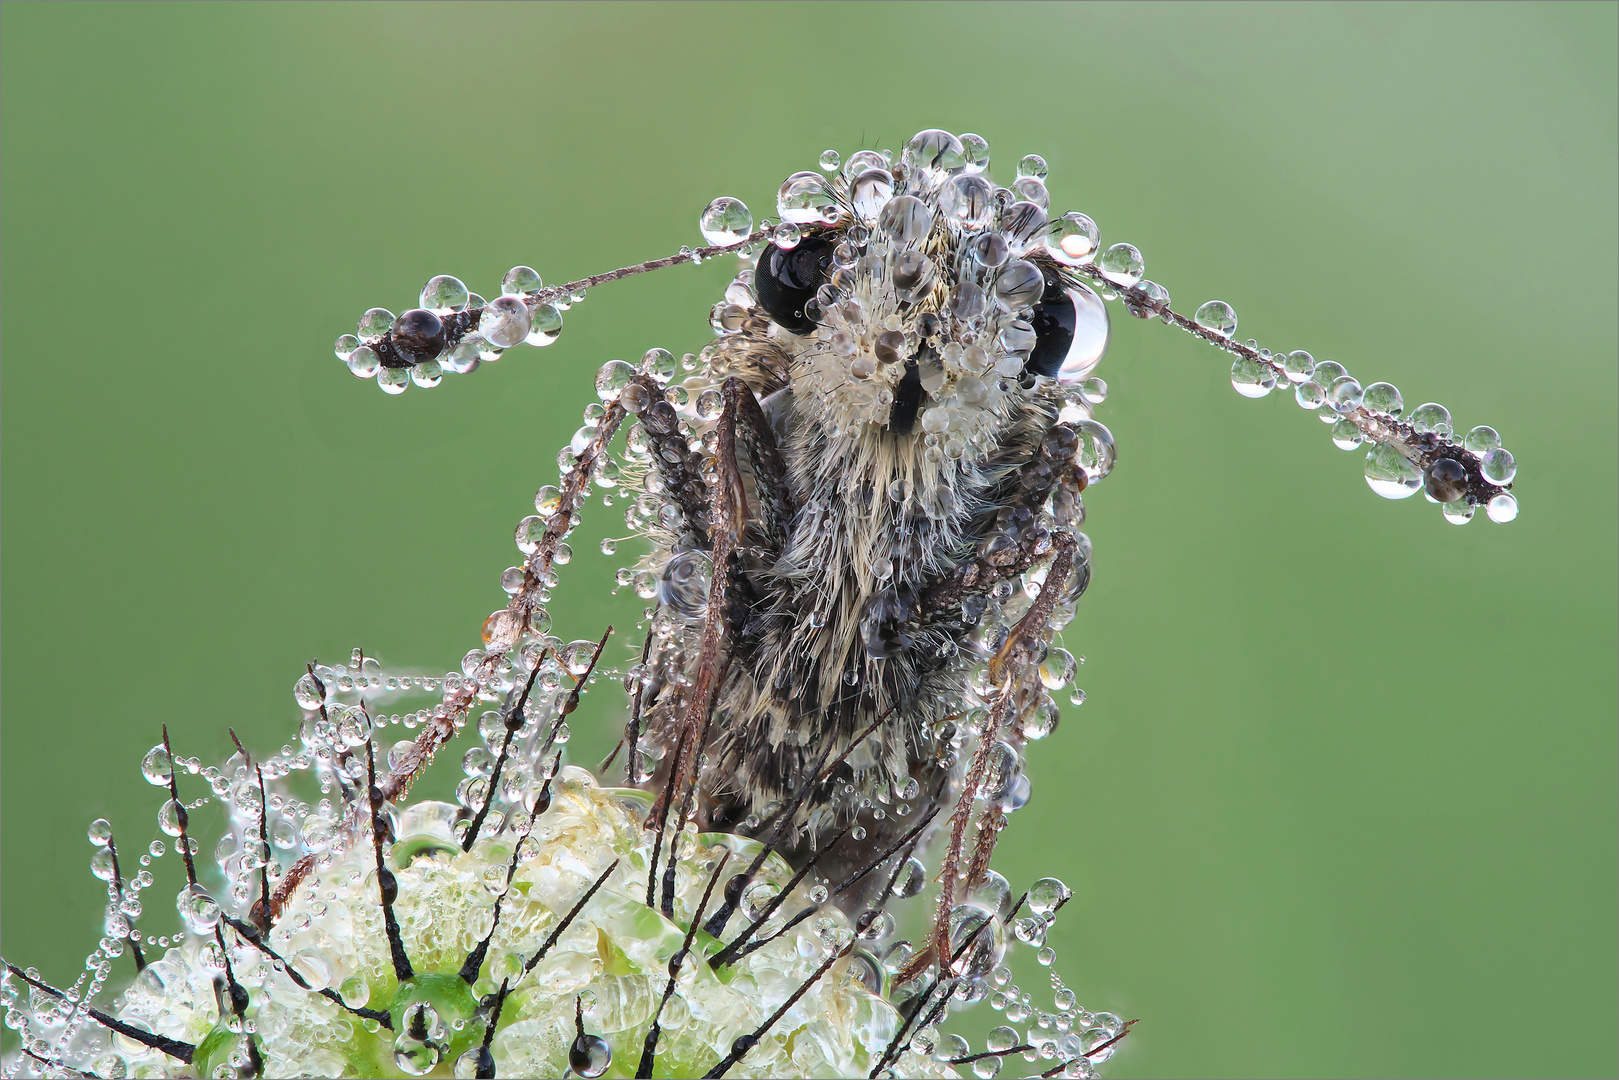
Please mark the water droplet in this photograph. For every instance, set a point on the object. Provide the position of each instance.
(427, 374)
(521, 281)
(1345, 435)
(612, 378)
(1121, 264)
(1252, 378)
(345, 344)
(545, 325)
(1459, 512)
(725, 221)
(1431, 417)
(308, 692)
(805, 199)
(1073, 239)
(1216, 315)
(1482, 439)
(830, 160)
(1445, 480)
(1344, 395)
(933, 156)
(444, 294)
(975, 150)
(1309, 395)
(1018, 285)
(870, 192)
(157, 767)
(1046, 894)
(1298, 366)
(967, 202)
(100, 832)
(199, 910)
(374, 324)
(393, 380)
(363, 362)
(1498, 466)
(1096, 453)
(1033, 165)
(463, 358)
(1502, 509)
(1384, 398)
(1390, 473)
(505, 321)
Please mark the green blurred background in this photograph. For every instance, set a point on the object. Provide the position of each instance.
(1342, 800)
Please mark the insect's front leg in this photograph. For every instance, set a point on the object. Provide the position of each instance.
(741, 423)
(1007, 669)
(1020, 542)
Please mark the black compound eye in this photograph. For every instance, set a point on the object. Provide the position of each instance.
(787, 280)
(1070, 331)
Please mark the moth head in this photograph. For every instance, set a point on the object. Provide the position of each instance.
(916, 296)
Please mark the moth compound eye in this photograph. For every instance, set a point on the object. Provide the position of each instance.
(786, 280)
(1070, 331)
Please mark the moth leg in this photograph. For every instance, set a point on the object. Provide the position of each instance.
(1018, 540)
(1006, 668)
(751, 430)
(679, 469)
(727, 604)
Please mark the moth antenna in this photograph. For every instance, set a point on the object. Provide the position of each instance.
(747, 1042)
(650, 1049)
(398, 344)
(1423, 452)
(387, 884)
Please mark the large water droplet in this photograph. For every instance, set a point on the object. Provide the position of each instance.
(934, 155)
(1096, 453)
(1252, 378)
(1216, 315)
(1122, 265)
(1498, 466)
(725, 221)
(590, 1055)
(157, 767)
(444, 294)
(870, 192)
(1072, 239)
(805, 199)
(505, 321)
(521, 281)
(1432, 417)
(1502, 509)
(1384, 398)
(1390, 473)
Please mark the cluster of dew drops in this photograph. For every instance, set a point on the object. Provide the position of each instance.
(1359, 414)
